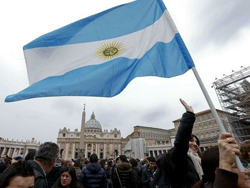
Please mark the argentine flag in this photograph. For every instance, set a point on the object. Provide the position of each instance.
(99, 55)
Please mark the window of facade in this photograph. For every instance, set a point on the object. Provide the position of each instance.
(77, 145)
(115, 135)
(63, 134)
(101, 145)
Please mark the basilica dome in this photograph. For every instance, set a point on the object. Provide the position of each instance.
(93, 123)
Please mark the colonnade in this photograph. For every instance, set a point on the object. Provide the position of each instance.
(102, 150)
(13, 151)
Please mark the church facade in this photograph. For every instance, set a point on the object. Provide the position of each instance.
(89, 140)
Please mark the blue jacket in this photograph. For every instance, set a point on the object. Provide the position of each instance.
(93, 176)
(147, 174)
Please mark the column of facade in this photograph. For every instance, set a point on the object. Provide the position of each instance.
(155, 153)
(3, 152)
(86, 150)
(98, 150)
(19, 151)
(14, 153)
(119, 149)
(9, 151)
(66, 150)
(73, 149)
(26, 152)
(104, 150)
(92, 148)
(111, 149)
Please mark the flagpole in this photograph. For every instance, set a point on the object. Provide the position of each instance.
(215, 114)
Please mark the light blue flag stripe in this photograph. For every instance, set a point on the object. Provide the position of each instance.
(105, 25)
(109, 79)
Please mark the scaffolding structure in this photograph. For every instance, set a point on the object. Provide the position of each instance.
(233, 92)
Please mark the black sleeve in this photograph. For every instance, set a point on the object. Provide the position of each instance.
(183, 134)
(181, 144)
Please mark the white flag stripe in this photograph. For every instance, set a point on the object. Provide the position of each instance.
(70, 57)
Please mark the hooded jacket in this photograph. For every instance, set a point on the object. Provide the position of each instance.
(122, 172)
(93, 176)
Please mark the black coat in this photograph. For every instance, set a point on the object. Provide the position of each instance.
(40, 176)
(178, 167)
(54, 174)
(122, 172)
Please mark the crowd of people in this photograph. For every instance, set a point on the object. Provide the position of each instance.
(183, 166)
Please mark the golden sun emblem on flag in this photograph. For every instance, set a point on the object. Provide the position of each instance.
(109, 50)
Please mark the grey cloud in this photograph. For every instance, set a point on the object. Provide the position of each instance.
(153, 115)
(218, 22)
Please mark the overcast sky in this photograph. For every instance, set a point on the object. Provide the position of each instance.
(215, 32)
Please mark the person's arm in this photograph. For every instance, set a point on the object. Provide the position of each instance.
(228, 150)
(181, 144)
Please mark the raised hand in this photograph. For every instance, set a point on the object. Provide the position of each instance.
(186, 106)
(228, 149)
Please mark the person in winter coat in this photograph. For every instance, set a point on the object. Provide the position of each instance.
(67, 179)
(147, 173)
(122, 175)
(159, 180)
(104, 165)
(44, 162)
(93, 176)
(77, 168)
(55, 173)
(182, 164)
(137, 171)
